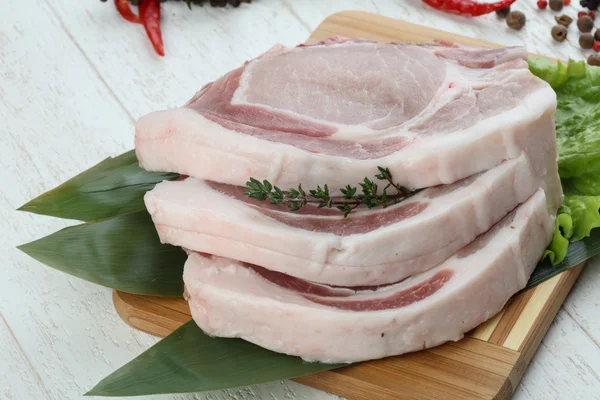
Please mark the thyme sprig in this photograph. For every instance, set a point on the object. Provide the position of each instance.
(296, 198)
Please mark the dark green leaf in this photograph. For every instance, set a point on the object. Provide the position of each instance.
(403, 189)
(121, 253)
(384, 175)
(116, 186)
(302, 192)
(190, 361)
(267, 185)
(294, 205)
(254, 183)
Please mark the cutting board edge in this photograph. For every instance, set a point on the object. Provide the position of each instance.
(392, 25)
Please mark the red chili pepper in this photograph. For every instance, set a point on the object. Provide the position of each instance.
(150, 16)
(468, 7)
(125, 11)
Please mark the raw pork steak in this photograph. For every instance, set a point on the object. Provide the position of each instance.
(231, 299)
(333, 111)
(370, 247)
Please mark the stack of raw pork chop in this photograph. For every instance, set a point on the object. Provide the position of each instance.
(472, 127)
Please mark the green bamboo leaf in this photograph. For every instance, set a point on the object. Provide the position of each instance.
(577, 253)
(121, 253)
(116, 186)
(188, 360)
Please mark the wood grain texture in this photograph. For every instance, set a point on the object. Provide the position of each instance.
(74, 77)
(470, 369)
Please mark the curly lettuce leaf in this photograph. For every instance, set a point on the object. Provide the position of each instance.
(577, 87)
(557, 250)
(583, 211)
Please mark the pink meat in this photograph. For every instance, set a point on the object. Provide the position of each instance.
(369, 247)
(307, 287)
(399, 299)
(361, 223)
(229, 299)
(334, 111)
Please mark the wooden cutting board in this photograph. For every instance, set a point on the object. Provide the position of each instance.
(487, 364)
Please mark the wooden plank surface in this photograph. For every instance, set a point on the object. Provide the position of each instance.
(74, 77)
(487, 365)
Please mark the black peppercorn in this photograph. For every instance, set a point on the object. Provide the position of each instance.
(503, 12)
(594, 60)
(597, 35)
(586, 40)
(564, 20)
(585, 23)
(559, 32)
(591, 4)
(515, 20)
(556, 5)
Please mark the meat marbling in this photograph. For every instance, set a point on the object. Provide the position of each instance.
(230, 299)
(334, 111)
(369, 247)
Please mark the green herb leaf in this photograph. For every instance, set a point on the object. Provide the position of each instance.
(122, 253)
(295, 199)
(190, 361)
(116, 186)
(384, 174)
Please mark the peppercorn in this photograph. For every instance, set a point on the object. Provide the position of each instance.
(559, 32)
(542, 4)
(503, 12)
(586, 40)
(556, 5)
(516, 20)
(564, 20)
(594, 60)
(591, 4)
(585, 23)
(597, 34)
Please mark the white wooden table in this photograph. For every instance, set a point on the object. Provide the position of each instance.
(73, 79)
